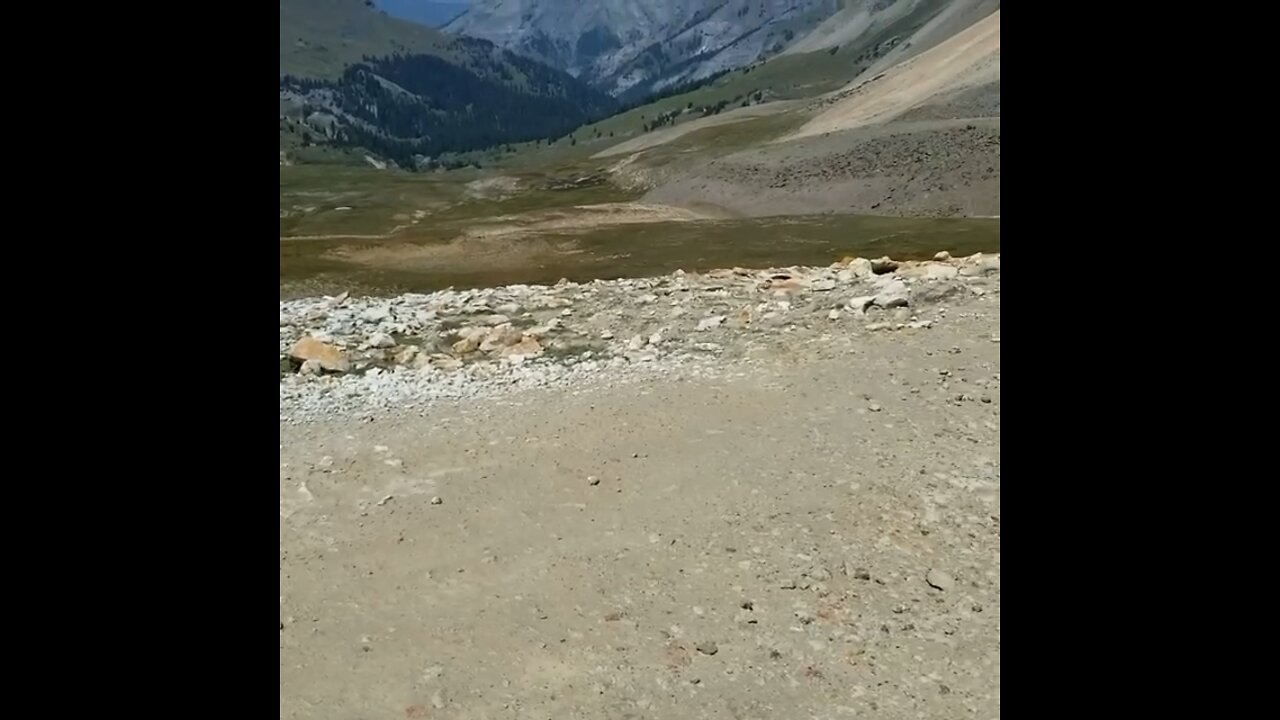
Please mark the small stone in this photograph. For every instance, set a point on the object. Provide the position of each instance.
(861, 303)
(709, 323)
(375, 315)
(381, 340)
(500, 337)
(445, 363)
(593, 480)
(940, 580)
(406, 354)
(884, 265)
(934, 271)
(823, 285)
(466, 345)
(860, 267)
(708, 648)
(636, 343)
(833, 315)
(527, 347)
(942, 256)
(436, 500)
(892, 295)
(874, 407)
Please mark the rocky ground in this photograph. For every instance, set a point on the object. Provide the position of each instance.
(744, 494)
(363, 355)
(927, 167)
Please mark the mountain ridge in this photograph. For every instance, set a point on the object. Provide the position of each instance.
(353, 79)
(631, 48)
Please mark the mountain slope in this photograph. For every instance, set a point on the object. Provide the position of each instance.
(353, 78)
(915, 135)
(634, 47)
(434, 13)
(319, 38)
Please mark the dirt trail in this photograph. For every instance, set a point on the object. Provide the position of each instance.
(586, 217)
(418, 215)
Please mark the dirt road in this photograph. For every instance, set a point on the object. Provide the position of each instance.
(813, 536)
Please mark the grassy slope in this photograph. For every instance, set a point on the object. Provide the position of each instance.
(318, 38)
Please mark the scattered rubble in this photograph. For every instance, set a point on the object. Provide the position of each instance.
(357, 355)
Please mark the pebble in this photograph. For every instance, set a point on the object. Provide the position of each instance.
(436, 500)
(940, 580)
(709, 323)
(381, 340)
(708, 648)
(874, 407)
(593, 480)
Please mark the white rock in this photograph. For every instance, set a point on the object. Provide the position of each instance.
(940, 580)
(381, 340)
(709, 323)
(375, 314)
(893, 294)
(861, 303)
(833, 315)
(935, 271)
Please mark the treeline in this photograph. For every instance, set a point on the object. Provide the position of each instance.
(405, 106)
(672, 90)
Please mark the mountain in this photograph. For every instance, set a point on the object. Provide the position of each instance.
(434, 13)
(355, 80)
(633, 48)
